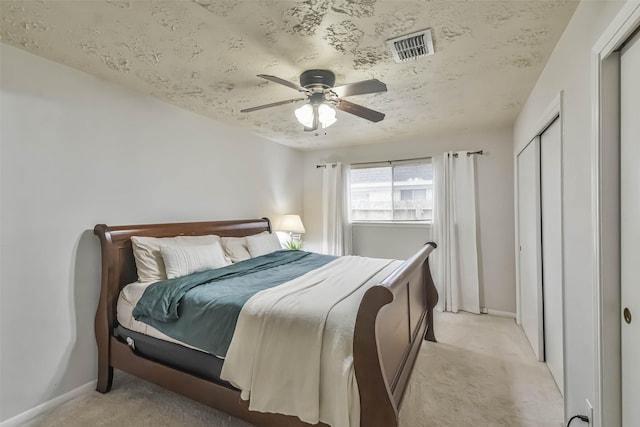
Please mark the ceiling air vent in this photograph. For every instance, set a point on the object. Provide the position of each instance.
(411, 46)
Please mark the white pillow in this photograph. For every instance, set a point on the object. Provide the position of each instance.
(262, 244)
(146, 251)
(180, 260)
(236, 248)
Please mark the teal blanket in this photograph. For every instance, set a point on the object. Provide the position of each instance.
(202, 309)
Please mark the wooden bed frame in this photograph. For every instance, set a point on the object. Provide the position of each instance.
(392, 320)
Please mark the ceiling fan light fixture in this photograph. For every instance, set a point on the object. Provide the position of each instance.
(326, 115)
(306, 115)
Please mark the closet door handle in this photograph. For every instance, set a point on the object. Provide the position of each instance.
(627, 315)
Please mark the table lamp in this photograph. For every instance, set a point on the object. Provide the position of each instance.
(293, 225)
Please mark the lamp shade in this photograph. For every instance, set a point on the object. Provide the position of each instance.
(326, 115)
(305, 115)
(292, 224)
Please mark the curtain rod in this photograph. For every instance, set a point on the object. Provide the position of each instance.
(381, 161)
(480, 152)
(391, 161)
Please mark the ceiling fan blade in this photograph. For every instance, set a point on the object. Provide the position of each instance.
(359, 110)
(282, 82)
(273, 104)
(360, 88)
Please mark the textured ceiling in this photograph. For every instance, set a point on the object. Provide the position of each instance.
(203, 55)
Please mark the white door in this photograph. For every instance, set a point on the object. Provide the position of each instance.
(551, 184)
(530, 309)
(630, 228)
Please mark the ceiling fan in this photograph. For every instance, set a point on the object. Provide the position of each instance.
(317, 85)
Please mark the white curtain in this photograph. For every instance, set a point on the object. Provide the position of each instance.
(455, 262)
(336, 226)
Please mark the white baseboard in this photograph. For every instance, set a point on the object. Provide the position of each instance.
(56, 401)
(498, 313)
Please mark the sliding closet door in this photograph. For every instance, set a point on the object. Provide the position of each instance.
(530, 279)
(551, 184)
(630, 229)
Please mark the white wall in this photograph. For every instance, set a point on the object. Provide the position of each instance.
(569, 69)
(76, 151)
(495, 198)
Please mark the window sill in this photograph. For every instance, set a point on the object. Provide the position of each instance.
(402, 224)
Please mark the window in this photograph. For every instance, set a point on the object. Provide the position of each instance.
(395, 191)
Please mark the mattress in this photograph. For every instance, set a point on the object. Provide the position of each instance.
(129, 296)
(192, 361)
(153, 344)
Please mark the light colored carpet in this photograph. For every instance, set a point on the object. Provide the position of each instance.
(482, 372)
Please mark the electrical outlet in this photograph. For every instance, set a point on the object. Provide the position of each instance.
(589, 412)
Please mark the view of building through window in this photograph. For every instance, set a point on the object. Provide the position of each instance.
(397, 192)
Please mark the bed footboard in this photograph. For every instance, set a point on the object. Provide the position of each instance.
(392, 321)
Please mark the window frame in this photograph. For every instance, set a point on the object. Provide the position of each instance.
(391, 164)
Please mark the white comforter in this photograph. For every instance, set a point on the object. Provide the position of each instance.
(292, 351)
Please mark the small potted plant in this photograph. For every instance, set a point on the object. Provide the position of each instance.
(293, 245)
